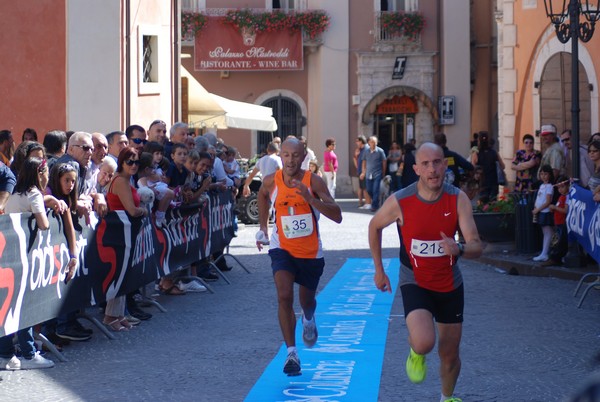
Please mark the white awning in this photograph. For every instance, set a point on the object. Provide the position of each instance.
(210, 110)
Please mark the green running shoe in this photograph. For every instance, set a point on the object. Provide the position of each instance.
(453, 400)
(416, 368)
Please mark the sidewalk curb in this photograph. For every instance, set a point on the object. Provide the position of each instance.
(512, 267)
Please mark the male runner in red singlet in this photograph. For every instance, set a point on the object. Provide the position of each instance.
(429, 213)
(298, 198)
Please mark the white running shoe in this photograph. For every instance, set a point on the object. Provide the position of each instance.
(366, 206)
(192, 286)
(37, 362)
(10, 364)
(309, 332)
(540, 258)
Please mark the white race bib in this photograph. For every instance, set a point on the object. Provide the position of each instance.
(297, 225)
(427, 248)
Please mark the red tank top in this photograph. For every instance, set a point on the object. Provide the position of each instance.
(296, 225)
(114, 202)
(423, 222)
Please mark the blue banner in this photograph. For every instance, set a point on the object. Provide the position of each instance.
(583, 220)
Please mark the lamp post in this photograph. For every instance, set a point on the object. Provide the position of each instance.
(574, 30)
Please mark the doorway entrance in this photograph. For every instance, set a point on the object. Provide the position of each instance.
(395, 121)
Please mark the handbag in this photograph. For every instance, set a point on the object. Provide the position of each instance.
(501, 175)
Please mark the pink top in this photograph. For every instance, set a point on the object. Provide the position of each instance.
(330, 157)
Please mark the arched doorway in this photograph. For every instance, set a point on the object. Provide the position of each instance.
(555, 95)
(400, 113)
(287, 114)
(395, 120)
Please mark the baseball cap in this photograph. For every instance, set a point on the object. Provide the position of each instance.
(548, 129)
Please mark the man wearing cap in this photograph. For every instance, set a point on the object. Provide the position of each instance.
(554, 155)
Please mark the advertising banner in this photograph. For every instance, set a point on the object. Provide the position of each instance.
(117, 254)
(583, 220)
(222, 47)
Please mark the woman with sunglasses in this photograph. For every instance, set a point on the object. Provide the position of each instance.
(122, 196)
(526, 165)
(594, 182)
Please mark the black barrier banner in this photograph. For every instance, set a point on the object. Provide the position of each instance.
(118, 254)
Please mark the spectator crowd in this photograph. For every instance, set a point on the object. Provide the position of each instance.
(78, 174)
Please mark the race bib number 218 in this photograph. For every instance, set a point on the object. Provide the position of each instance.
(427, 248)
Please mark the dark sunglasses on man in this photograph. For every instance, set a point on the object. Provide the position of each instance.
(139, 141)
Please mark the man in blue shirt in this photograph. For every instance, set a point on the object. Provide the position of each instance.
(373, 167)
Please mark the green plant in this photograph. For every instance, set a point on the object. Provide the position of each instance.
(192, 23)
(409, 25)
(313, 22)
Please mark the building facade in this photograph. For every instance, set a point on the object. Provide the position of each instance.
(363, 76)
(88, 65)
(534, 75)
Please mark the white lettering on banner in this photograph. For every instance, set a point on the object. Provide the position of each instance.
(594, 230)
(144, 245)
(221, 217)
(576, 216)
(11, 323)
(344, 334)
(259, 52)
(330, 379)
(226, 64)
(357, 304)
(219, 52)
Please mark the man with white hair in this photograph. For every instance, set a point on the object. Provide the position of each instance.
(178, 135)
(79, 154)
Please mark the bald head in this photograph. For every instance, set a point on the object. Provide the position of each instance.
(292, 144)
(428, 148)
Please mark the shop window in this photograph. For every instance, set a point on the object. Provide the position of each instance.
(398, 5)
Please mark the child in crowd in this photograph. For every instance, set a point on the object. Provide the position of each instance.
(147, 177)
(63, 186)
(160, 163)
(232, 167)
(313, 166)
(560, 210)
(106, 171)
(177, 173)
(541, 211)
(28, 196)
(197, 184)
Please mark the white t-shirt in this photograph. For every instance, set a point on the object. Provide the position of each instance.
(545, 189)
(31, 201)
(269, 164)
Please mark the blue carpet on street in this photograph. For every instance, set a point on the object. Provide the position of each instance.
(345, 364)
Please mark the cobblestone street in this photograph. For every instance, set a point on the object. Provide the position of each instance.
(524, 338)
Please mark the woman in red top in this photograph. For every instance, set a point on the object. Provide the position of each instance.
(122, 196)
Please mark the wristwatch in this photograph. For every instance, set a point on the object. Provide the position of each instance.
(461, 249)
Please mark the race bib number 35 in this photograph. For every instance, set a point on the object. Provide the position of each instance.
(427, 248)
(297, 226)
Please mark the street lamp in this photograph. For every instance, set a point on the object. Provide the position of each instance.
(575, 30)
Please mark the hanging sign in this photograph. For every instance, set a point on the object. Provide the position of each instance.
(222, 47)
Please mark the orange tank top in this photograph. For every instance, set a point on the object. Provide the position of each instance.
(296, 223)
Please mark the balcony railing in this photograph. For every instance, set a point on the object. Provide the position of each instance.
(388, 27)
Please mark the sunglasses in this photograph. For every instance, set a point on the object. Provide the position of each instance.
(139, 141)
(131, 162)
(565, 140)
(86, 148)
(528, 142)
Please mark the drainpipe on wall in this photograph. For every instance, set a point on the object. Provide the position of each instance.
(127, 63)
(176, 83)
(439, 59)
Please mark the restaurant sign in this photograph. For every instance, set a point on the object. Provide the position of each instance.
(222, 47)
